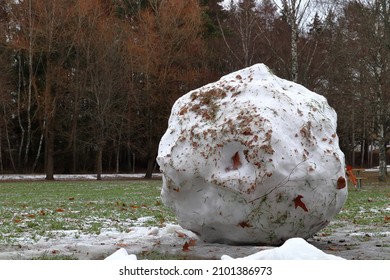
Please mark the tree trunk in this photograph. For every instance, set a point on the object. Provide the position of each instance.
(382, 155)
(371, 153)
(117, 159)
(74, 153)
(353, 136)
(49, 154)
(20, 85)
(362, 151)
(30, 84)
(38, 153)
(1, 153)
(150, 167)
(8, 141)
(294, 50)
(99, 163)
(49, 114)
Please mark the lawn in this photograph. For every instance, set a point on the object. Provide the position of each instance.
(31, 210)
(369, 206)
(368, 209)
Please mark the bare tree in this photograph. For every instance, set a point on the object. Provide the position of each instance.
(243, 19)
(164, 45)
(296, 14)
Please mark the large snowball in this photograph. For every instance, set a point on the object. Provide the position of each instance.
(252, 159)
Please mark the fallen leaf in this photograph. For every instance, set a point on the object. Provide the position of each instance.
(60, 210)
(16, 221)
(236, 161)
(244, 224)
(183, 111)
(387, 218)
(192, 242)
(187, 245)
(299, 203)
(181, 234)
(71, 198)
(32, 216)
(42, 212)
(333, 249)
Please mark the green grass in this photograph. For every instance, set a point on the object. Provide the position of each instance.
(367, 207)
(31, 210)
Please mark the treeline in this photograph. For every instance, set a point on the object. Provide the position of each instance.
(87, 85)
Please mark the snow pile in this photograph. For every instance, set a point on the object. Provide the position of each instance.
(252, 159)
(115, 176)
(121, 254)
(293, 249)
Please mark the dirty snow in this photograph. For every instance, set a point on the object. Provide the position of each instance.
(252, 158)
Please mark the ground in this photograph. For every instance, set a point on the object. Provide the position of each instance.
(349, 241)
(354, 242)
(360, 232)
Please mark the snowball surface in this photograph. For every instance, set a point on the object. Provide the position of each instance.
(252, 159)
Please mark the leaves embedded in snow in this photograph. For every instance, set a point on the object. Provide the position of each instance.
(242, 149)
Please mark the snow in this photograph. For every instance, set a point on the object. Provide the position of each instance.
(375, 169)
(121, 254)
(169, 239)
(293, 249)
(252, 158)
(27, 177)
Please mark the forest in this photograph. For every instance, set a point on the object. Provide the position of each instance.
(86, 86)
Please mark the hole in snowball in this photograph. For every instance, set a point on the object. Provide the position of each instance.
(232, 156)
(341, 183)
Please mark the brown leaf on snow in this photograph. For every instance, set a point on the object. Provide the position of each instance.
(245, 224)
(181, 234)
(121, 244)
(299, 203)
(192, 242)
(187, 245)
(236, 161)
